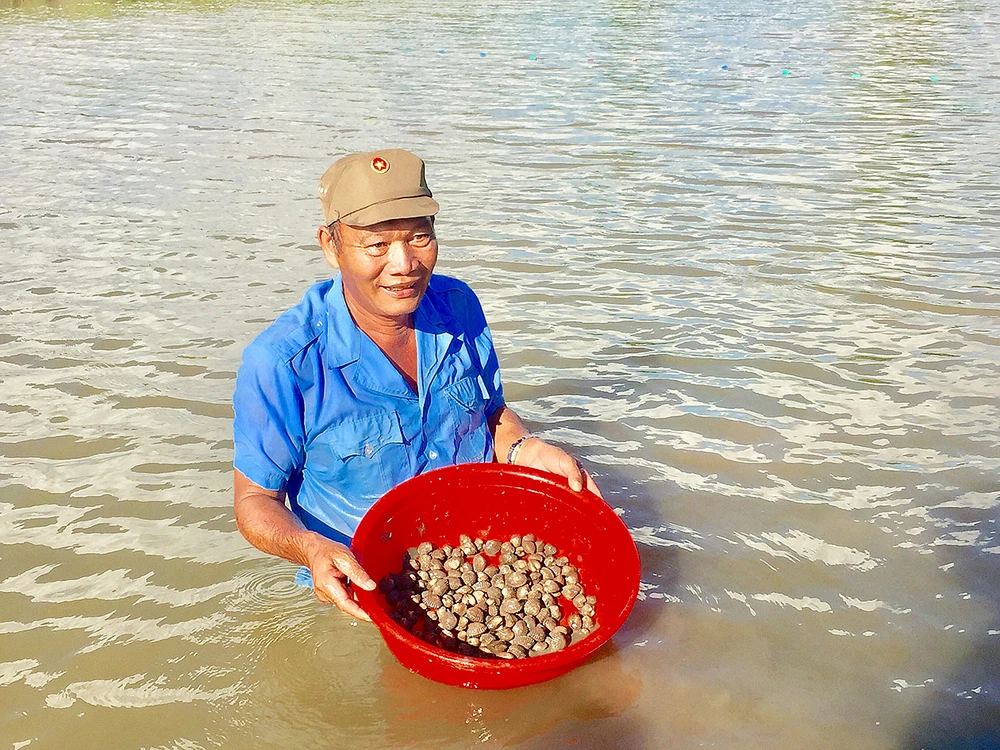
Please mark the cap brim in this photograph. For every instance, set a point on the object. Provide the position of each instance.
(401, 208)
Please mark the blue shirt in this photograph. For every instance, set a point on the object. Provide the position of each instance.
(321, 412)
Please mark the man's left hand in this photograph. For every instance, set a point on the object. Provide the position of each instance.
(538, 454)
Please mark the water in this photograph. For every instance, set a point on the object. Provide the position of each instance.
(763, 308)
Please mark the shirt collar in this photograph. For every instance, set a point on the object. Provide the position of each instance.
(437, 329)
(428, 316)
(343, 337)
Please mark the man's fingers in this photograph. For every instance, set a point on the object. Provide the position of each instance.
(570, 468)
(588, 481)
(341, 598)
(580, 478)
(330, 564)
(353, 570)
(559, 461)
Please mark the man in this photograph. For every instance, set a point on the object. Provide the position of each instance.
(384, 372)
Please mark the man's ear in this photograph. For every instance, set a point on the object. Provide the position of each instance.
(325, 237)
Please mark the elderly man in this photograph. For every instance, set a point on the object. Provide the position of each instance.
(384, 372)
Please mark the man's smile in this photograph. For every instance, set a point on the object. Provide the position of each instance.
(402, 291)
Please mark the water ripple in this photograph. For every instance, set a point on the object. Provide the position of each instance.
(741, 257)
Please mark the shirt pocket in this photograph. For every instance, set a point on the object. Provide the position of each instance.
(467, 407)
(363, 457)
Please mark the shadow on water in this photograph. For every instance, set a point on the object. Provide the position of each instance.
(367, 699)
(963, 710)
(661, 575)
(595, 695)
(346, 690)
(587, 708)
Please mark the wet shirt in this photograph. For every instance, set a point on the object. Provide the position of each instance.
(321, 412)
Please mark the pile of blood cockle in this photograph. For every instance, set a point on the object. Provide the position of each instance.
(491, 599)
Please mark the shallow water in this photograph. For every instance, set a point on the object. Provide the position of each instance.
(744, 260)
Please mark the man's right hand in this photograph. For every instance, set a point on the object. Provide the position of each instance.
(265, 521)
(334, 571)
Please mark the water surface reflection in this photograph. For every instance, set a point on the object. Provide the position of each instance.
(742, 259)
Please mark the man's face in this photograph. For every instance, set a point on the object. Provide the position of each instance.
(385, 268)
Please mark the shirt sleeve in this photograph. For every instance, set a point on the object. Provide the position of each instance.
(268, 429)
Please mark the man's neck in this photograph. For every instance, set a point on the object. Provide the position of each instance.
(384, 331)
(396, 338)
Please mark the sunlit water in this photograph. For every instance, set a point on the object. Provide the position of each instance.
(742, 257)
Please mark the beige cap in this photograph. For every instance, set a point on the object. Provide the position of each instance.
(365, 189)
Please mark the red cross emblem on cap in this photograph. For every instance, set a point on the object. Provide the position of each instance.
(380, 165)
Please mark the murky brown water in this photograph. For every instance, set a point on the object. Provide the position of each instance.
(764, 307)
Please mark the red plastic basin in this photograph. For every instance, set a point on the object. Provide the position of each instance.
(494, 501)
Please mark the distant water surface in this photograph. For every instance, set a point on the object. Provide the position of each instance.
(743, 258)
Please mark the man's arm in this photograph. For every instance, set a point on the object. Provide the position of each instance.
(261, 516)
(507, 427)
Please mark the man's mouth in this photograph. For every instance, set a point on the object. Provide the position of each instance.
(402, 291)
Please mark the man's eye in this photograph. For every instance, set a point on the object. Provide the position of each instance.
(378, 248)
(421, 239)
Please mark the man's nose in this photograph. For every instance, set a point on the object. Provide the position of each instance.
(402, 258)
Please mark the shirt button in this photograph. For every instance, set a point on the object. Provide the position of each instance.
(432, 455)
(368, 451)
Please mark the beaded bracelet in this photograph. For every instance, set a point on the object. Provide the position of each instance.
(515, 447)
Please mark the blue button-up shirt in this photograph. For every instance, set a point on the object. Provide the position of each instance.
(321, 412)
